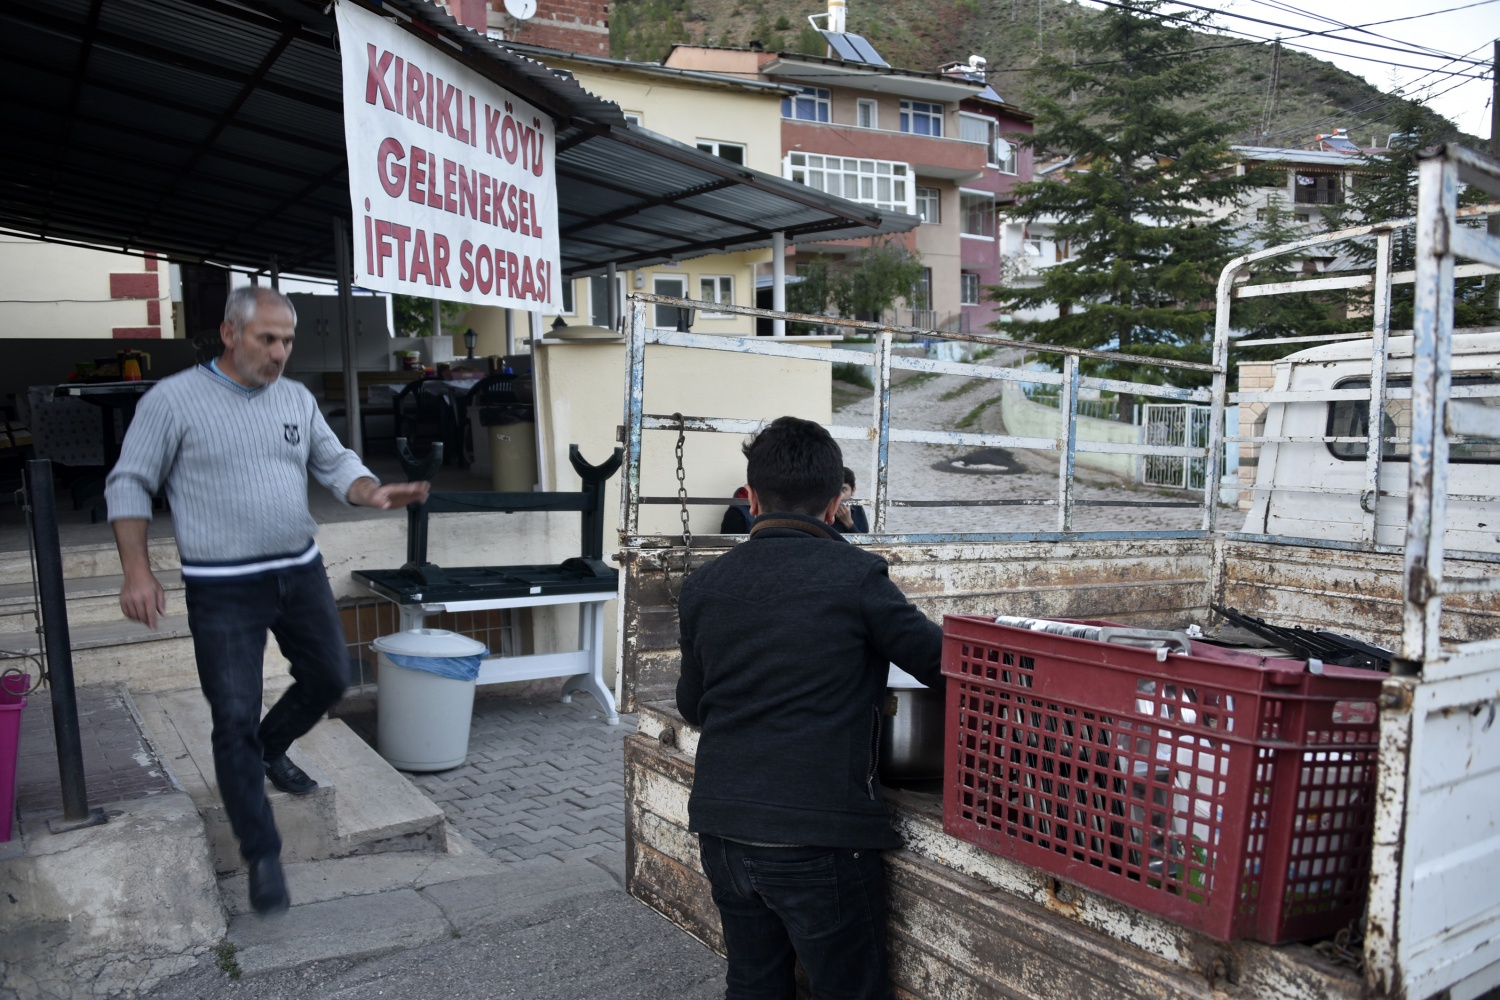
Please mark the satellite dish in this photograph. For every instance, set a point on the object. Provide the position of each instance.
(521, 10)
(1002, 150)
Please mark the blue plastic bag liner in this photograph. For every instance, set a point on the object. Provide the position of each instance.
(460, 668)
(435, 651)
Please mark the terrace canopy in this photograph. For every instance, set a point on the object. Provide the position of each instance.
(212, 131)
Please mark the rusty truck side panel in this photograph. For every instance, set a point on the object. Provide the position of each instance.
(1358, 592)
(1154, 585)
(969, 923)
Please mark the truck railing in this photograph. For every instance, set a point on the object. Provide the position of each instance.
(1435, 413)
(884, 362)
(1438, 407)
(1380, 280)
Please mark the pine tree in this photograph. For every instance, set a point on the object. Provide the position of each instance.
(1136, 205)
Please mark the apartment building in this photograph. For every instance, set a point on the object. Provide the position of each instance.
(736, 118)
(1306, 184)
(931, 144)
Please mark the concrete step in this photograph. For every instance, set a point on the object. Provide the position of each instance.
(362, 804)
(181, 726)
(123, 651)
(91, 600)
(81, 561)
(379, 810)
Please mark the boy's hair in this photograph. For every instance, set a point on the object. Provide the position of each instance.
(849, 477)
(794, 465)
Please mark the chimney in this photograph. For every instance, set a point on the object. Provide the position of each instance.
(837, 11)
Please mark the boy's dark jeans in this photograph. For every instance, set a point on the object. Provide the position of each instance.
(229, 621)
(825, 906)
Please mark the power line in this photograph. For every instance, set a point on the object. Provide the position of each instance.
(1374, 104)
(1364, 28)
(1167, 16)
(1289, 27)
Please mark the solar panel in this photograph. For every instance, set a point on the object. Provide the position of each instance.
(839, 42)
(853, 48)
(866, 50)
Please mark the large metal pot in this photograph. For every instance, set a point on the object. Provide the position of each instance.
(911, 734)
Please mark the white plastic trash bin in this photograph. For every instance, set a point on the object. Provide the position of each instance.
(423, 717)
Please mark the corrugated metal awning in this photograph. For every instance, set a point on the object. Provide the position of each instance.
(212, 130)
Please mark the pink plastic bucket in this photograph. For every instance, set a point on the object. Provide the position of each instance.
(12, 702)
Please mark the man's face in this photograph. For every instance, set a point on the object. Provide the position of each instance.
(258, 352)
(846, 493)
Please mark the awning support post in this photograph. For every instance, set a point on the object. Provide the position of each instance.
(341, 259)
(778, 281)
(614, 297)
(540, 411)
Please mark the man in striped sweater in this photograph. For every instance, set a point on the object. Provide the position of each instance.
(233, 443)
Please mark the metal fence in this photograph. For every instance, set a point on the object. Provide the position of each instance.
(884, 362)
(1175, 424)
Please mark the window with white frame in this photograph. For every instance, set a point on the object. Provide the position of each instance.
(921, 118)
(665, 317)
(716, 288)
(568, 307)
(867, 113)
(976, 211)
(928, 202)
(881, 183)
(978, 129)
(732, 151)
(1003, 158)
(968, 289)
(814, 104)
(632, 117)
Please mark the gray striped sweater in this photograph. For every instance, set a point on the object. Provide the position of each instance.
(235, 464)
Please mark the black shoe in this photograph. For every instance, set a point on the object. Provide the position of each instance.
(288, 776)
(268, 886)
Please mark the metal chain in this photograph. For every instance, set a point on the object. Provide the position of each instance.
(39, 658)
(687, 533)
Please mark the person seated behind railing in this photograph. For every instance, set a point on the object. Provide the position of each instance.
(737, 516)
(849, 520)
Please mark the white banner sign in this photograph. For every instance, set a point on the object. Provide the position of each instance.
(451, 177)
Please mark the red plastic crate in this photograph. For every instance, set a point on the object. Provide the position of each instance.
(1231, 793)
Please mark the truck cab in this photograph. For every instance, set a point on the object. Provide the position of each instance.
(1316, 489)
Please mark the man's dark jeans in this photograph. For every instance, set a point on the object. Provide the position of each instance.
(229, 621)
(822, 905)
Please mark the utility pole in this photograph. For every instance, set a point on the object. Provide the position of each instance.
(1494, 224)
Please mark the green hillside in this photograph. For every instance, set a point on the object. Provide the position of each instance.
(1312, 95)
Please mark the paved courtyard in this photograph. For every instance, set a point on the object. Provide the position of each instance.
(543, 778)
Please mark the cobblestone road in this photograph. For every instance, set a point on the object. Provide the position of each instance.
(940, 403)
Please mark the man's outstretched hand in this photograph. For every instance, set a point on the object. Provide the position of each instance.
(365, 493)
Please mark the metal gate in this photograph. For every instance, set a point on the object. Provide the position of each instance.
(1175, 424)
